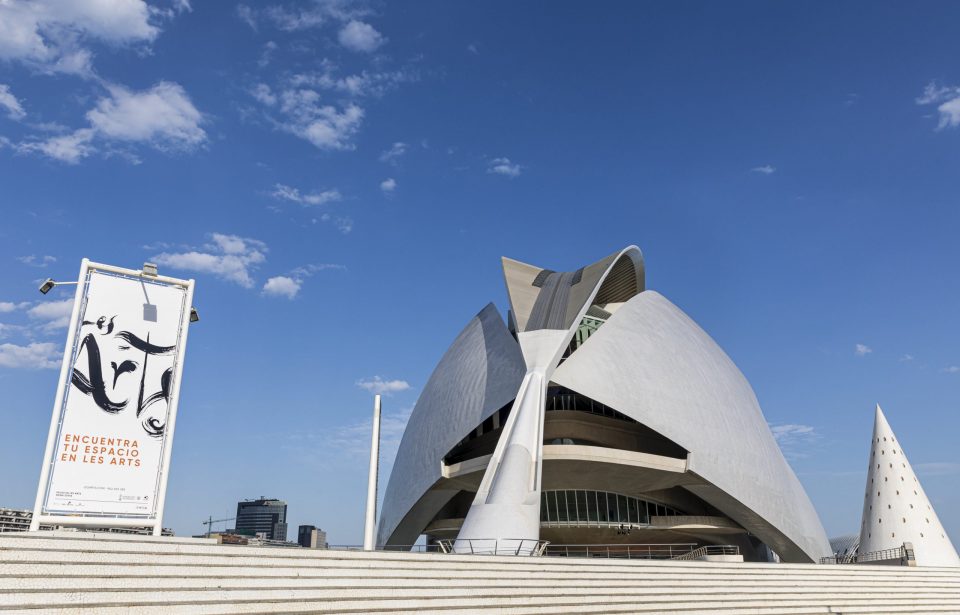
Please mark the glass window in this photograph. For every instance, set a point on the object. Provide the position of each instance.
(543, 506)
(622, 505)
(592, 506)
(581, 506)
(632, 509)
(612, 513)
(603, 512)
(561, 506)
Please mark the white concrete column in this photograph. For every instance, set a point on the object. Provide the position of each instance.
(370, 526)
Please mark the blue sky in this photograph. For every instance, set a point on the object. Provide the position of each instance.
(342, 178)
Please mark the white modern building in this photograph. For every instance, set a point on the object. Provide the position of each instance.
(597, 413)
(895, 508)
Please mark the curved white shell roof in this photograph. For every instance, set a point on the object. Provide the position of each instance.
(479, 374)
(651, 362)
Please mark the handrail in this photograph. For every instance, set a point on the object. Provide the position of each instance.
(709, 550)
(620, 551)
(538, 548)
(901, 553)
(494, 546)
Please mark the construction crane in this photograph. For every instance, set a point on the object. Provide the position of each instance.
(210, 521)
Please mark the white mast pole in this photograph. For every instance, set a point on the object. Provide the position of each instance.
(369, 538)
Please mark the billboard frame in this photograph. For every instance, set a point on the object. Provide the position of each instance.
(66, 372)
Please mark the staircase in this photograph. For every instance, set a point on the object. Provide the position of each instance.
(71, 573)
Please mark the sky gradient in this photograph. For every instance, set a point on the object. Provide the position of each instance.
(342, 178)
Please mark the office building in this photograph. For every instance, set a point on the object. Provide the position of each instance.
(265, 518)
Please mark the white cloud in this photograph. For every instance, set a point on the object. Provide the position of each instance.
(289, 285)
(503, 166)
(292, 20)
(162, 117)
(303, 115)
(947, 99)
(71, 148)
(310, 15)
(282, 286)
(344, 224)
(907, 358)
(360, 84)
(52, 314)
(388, 185)
(229, 257)
(396, 150)
(862, 350)
(934, 93)
(791, 430)
(382, 387)
(10, 103)
(247, 15)
(8, 306)
(264, 95)
(765, 169)
(342, 446)
(794, 439)
(37, 261)
(949, 113)
(953, 369)
(37, 355)
(52, 35)
(6, 330)
(288, 193)
(360, 36)
(473, 49)
(266, 56)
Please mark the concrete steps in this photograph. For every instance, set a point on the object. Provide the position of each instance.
(69, 572)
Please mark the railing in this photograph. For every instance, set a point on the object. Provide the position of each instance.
(494, 546)
(901, 553)
(621, 551)
(710, 550)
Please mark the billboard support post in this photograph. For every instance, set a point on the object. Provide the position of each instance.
(66, 367)
(109, 447)
(172, 416)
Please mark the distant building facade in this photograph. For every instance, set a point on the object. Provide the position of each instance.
(18, 520)
(15, 520)
(264, 517)
(312, 537)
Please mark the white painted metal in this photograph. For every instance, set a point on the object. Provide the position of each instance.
(507, 506)
(172, 416)
(66, 371)
(62, 384)
(370, 525)
(896, 509)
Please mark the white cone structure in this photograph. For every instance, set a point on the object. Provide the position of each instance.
(896, 509)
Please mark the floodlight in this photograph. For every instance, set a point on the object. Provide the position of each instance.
(194, 315)
(149, 269)
(47, 285)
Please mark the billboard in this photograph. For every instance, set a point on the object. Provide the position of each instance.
(108, 450)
